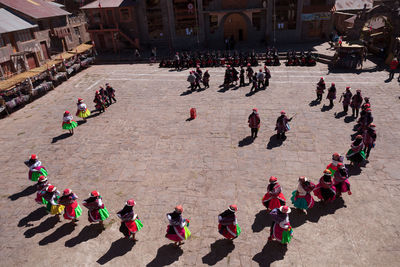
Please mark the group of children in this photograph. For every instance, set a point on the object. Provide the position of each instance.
(103, 98)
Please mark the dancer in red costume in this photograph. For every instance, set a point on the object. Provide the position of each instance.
(325, 190)
(72, 209)
(274, 197)
(177, 229)
(130, 222)
(227, 223)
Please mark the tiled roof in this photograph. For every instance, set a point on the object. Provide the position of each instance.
(37, 9)
(11, 23)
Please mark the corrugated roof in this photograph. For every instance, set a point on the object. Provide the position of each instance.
(109, 3)
(11, 23)
(353, 4)
(37, 9)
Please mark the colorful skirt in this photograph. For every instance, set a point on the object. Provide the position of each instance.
(302, 202)
(282, 235)
(229, 231)
(38, 171)
(355, 157)
(73, 211)
(342, 187)
(54, 209)
(98, 215)
(271, 202)
(69, 125)
(83, 113)
(39, 198)
(130, 227)
(177, 234)
(325, 194)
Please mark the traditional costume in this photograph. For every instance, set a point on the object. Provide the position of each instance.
(346, 96)
(72, 209)
(68, 122)
(206, 79)
(356, 102)
(274, 197)
(99, 102)
(177, 229)
(280, 228)
(369, 138)
(356, 153)
(320, 89)
(331, 94)
(341, 180)
(41, 190)
(97, 212)
(51, 196)
(227, 223)
(282, 125)
(250, 72)
(110, 93)
(254, 123)
(35, 168)
(302, 198)
(333, 166)
(130, 222)
(82, 111)
(325, 190)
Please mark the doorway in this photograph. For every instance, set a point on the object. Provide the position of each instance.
(235, 25)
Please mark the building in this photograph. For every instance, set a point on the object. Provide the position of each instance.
(17, 39)
(179, 24)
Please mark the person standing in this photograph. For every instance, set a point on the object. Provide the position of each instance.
(68, 122)
(206, 79)
(177, 230)
(41, 189)
(260, 79)
(331, 94)
(110, 93)
(369, 138)
(281, 229)
(320, 89)
(356, 102)
(250, 72)
(241, 77)
(282, 125)
(227, 223)
(97, 212)
(274, 197)
(302, 198)
(254, 123)
(346, 97)
(393, 66)
(52, 196)
(341, 180)
(72, 209)
(36, 169)
(192, 80)
(325, 190)
(130, 222)
(356, 153)
(82, 110)
(99, 103)
(267, 75)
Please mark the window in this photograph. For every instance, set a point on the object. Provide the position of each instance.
(185, 17)
(213, 23)
(125, 14)
(256, 20)
(24, 35)
(285, 14)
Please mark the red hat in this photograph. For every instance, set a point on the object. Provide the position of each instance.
(333, 84)
(50, 188)
(303, 178)
(255, 109)
(42, 178)
(131, 202)
(97, 92)
(66, 112)
(359, 137)
(179, 209)
(273, 179)
(80, 99)
(283, 112)
(367, 105)
(67, 192)
(328, 172)
(233, 208)
(248, 64)
(368, 110)
(260, 69)
(340, 165)
(285, 209)
(322, 78)
(33, 156)
(335, 156)
(372, 125)
(348, 88)
(94, 194)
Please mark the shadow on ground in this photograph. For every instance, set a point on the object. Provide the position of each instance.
(219, 250)
(44, 226)
(24, 193)
(271, 252)
(322, 209)
(261, 221)
(118, 248)
(60, 232)
(35, 215)
(88, 232)
(246, 141)
(61, 137)
(274, 142)
(166, 255)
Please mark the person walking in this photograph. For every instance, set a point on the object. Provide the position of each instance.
(254, 123)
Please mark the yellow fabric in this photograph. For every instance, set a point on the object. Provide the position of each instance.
(56, 209)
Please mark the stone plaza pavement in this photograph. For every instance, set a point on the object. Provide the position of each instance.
(144, 147)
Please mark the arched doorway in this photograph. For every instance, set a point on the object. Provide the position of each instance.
(235, 25)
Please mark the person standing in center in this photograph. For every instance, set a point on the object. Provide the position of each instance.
(282, 125)
(356, 102)
(346, 96)
(302, 198)
(254, 123)
(227, 223)
(274, 197)
(177, 229)
(320, 89)
(281, 229)
(331, 94)
(130, 223)
(72, 209)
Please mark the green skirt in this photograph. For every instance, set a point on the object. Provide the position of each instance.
(104, 214)
(69, 126)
